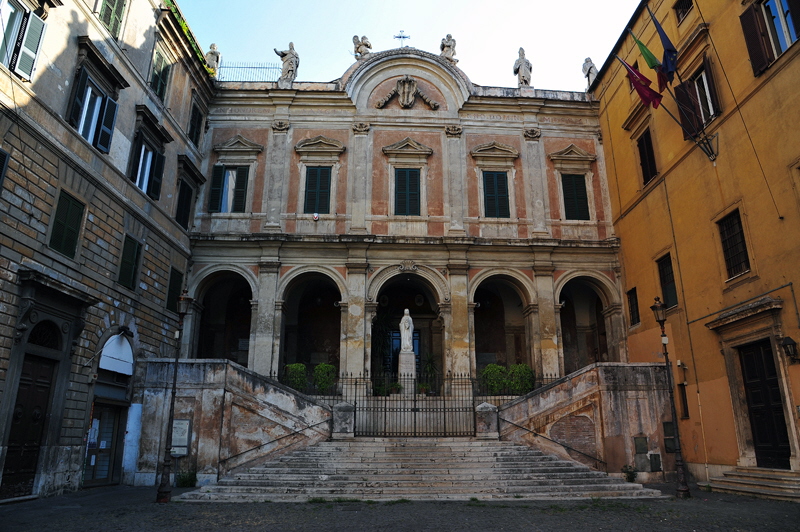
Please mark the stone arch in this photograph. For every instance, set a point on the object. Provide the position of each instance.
(292, 276)
(199, 283)
(604, 287)
(523, 284)
(436, 280)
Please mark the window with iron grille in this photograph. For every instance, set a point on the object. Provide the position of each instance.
(733, 244)
(576, 202)
(495, 195)
(406, 192)
(682, 8)
(111, 15)
(633, 306)
(318, 190)
(669, 292)
(129, 263)
(67, 225)
(174, 289)
(647, 157)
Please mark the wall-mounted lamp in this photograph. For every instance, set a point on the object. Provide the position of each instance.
(790, 348)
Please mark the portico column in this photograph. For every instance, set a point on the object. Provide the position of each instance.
(276, 338)
(531, 316)
(263, 355)
(371, 310)
(615, 333)
(549, 341)
(191, 330)
(354, 358)
(459, 337)
(344, 316)
(473, 364)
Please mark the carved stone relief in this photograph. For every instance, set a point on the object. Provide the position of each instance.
(407, 91)
(280, 125)
(453, 131)
(532, 133)
(361, 128)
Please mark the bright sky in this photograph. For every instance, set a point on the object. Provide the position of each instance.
(557, 35)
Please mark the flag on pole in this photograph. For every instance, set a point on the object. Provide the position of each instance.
(652, 62)
(642, 86)
(669, 63)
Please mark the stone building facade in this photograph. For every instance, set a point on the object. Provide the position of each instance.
(103, 104)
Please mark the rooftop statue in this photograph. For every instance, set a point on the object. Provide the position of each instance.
(448, 48)
(291, 60)
(362, 48)
(589, 71)
(213, 59)
(522, 68)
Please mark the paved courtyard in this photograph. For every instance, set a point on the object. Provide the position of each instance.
(123, 508)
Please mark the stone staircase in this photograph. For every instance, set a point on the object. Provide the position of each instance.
(781, 484)
(417, 469)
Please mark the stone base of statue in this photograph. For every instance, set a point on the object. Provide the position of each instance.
(407, 371)
(284, 84)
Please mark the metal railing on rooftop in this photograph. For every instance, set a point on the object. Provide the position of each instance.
(248, 71)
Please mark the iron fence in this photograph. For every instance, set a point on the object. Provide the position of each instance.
(248, 71)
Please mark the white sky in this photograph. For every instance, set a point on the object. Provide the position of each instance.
(557, 35)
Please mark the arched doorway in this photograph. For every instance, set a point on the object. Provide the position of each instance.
(312, 322)
(499, 325)
(583, 326)
(413, 293)
(225, 322)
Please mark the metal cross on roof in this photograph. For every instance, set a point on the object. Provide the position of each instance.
(402, 37)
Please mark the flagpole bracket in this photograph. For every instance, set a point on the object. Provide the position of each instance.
(708, 144)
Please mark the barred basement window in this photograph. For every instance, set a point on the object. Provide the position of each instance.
(647, 157)
(669, 292)
(682, 8)
(318, 190)
(406, 192)
(129, 263)
(174, 290)
(576, 202)
(67, 225)
(633, 306)
(733, 244)
(495, 195)
(111, 15)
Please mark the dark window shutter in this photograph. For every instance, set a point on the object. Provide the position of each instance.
(502, 195)
(215, 193)
(324, 195)
(401, 192)
(576, 202)
(174, 289)
(24, 59)
(107, 126)
(647, 157)
(712, 86)
(666, 275)
(688, 109)
(66, 225)
(489, 197)
(794, 9)
(195, 125)
(184, 209)
(312, 186)
(128, 263)
(756, 38)
(240, 190)
(413, 192)
(136, 157)
(156, 176)
(80, 93)
(4, 158)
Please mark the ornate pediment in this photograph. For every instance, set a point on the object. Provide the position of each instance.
(494, 154)
(239, 145)
(407, 146)
(572, 153)
(319, 149)
(406, 91)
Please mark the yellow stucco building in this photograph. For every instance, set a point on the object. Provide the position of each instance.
(708, 214)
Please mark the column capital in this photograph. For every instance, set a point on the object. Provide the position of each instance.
(460, 268)
(357, 267)
(613, 308)
(533, 308)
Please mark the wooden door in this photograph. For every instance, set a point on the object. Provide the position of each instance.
(765, 405)
(101, 446)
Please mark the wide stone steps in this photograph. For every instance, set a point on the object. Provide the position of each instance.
(765, 483)
(417, 469)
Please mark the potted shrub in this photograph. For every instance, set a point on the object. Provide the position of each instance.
(324, 378)
(521, 379)
(295, 376)
(494, 379)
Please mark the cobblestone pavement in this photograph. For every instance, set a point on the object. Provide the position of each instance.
(124, 508)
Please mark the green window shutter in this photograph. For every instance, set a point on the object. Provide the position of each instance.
(160, 76)
(401, 191)
(156, 176)
(184, 209)
(24, 59)
(66, 225)
(195, 125)
(129, 262)
(312, 187)
(80, 94)
(413, 192)
(495, 195)
(111, 15)
(215, 193)
(324, 196)
(106, 130)
(501, 178)
(576, 202)
(174, 289)
(240, 190)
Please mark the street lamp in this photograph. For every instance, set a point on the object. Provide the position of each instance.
(660, 313)
(165, 488)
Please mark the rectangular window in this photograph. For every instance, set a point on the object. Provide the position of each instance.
(174, 290)
(682, 8)
(148, 167)
(67, 225)
(669, 292)
(576, 202)
(495, 195)
(633, 306)
(111, 15)
(160, 76)
(669, 436)
(228, 191)
(196, 125)
(733, 244)
(23, 33)
(647, 158)
(697, 100)
(406, 192)
(318, 190)
(129, 263)
(684, 400)
(769, 28)
(183, 212)
(93, 112)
